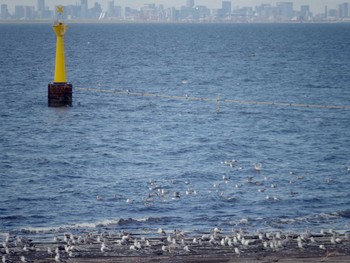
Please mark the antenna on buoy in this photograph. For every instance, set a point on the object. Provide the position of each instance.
(60, 91)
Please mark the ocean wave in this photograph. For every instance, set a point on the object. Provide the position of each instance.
(345, 213)
(108, 223)
(316, 219)
(11, 217)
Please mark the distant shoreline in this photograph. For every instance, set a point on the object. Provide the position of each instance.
(91, 21)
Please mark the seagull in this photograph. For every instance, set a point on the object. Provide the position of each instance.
(188, 182)
(7, 238)
(235, 240)
(250, 179)
(132, 247)
(237, 251)
(164, 248)
(58, 258)
(99, 198)
(161, 231)
(49, 251)
(217, 230)
(322, 247)
(225, 178)
(300, 244)
(24, 260)
(333, 240)
(260, 235)
(338, 240)
(104, 248)
(257, 166)
(187, 249)
(137, 244)
(56, 239)
(5, 243)
(176, 195)
(191, 192)
(230, 163)
(223, 242)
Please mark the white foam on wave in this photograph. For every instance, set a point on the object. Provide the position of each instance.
(87, 225)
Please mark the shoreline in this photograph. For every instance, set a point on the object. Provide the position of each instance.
(180, 247)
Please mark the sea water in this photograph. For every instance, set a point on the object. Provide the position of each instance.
(124, 161)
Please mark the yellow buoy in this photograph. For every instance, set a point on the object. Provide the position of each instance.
(60, 92)
(60, 67)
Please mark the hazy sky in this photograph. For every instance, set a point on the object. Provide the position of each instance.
(317, 6)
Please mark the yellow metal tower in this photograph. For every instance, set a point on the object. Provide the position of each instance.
(60, 68)
(60, 92)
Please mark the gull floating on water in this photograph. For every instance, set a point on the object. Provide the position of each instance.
(99, 198)
(230, 163)
(176, 195)
(257, 166)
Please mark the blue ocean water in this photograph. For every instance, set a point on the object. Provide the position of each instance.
(135, 152)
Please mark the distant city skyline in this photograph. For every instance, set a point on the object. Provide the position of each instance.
(316, 6)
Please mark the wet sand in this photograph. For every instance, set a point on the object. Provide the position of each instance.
(177, 247)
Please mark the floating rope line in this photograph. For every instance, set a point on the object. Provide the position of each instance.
(218, 99)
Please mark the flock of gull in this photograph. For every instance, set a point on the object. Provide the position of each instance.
(236, 243)
(225, 188)
(175, 242)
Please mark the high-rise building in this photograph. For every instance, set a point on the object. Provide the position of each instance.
(305, 12)
(19, 12)
(111, 9)
(4, 12)
(84, 9)
(285, 10)
(95, 11)
(41, 8)
(190, 3)
(344, 10)
(41, 5)
(226, 8)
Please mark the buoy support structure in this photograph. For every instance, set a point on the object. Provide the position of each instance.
(60, 91)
